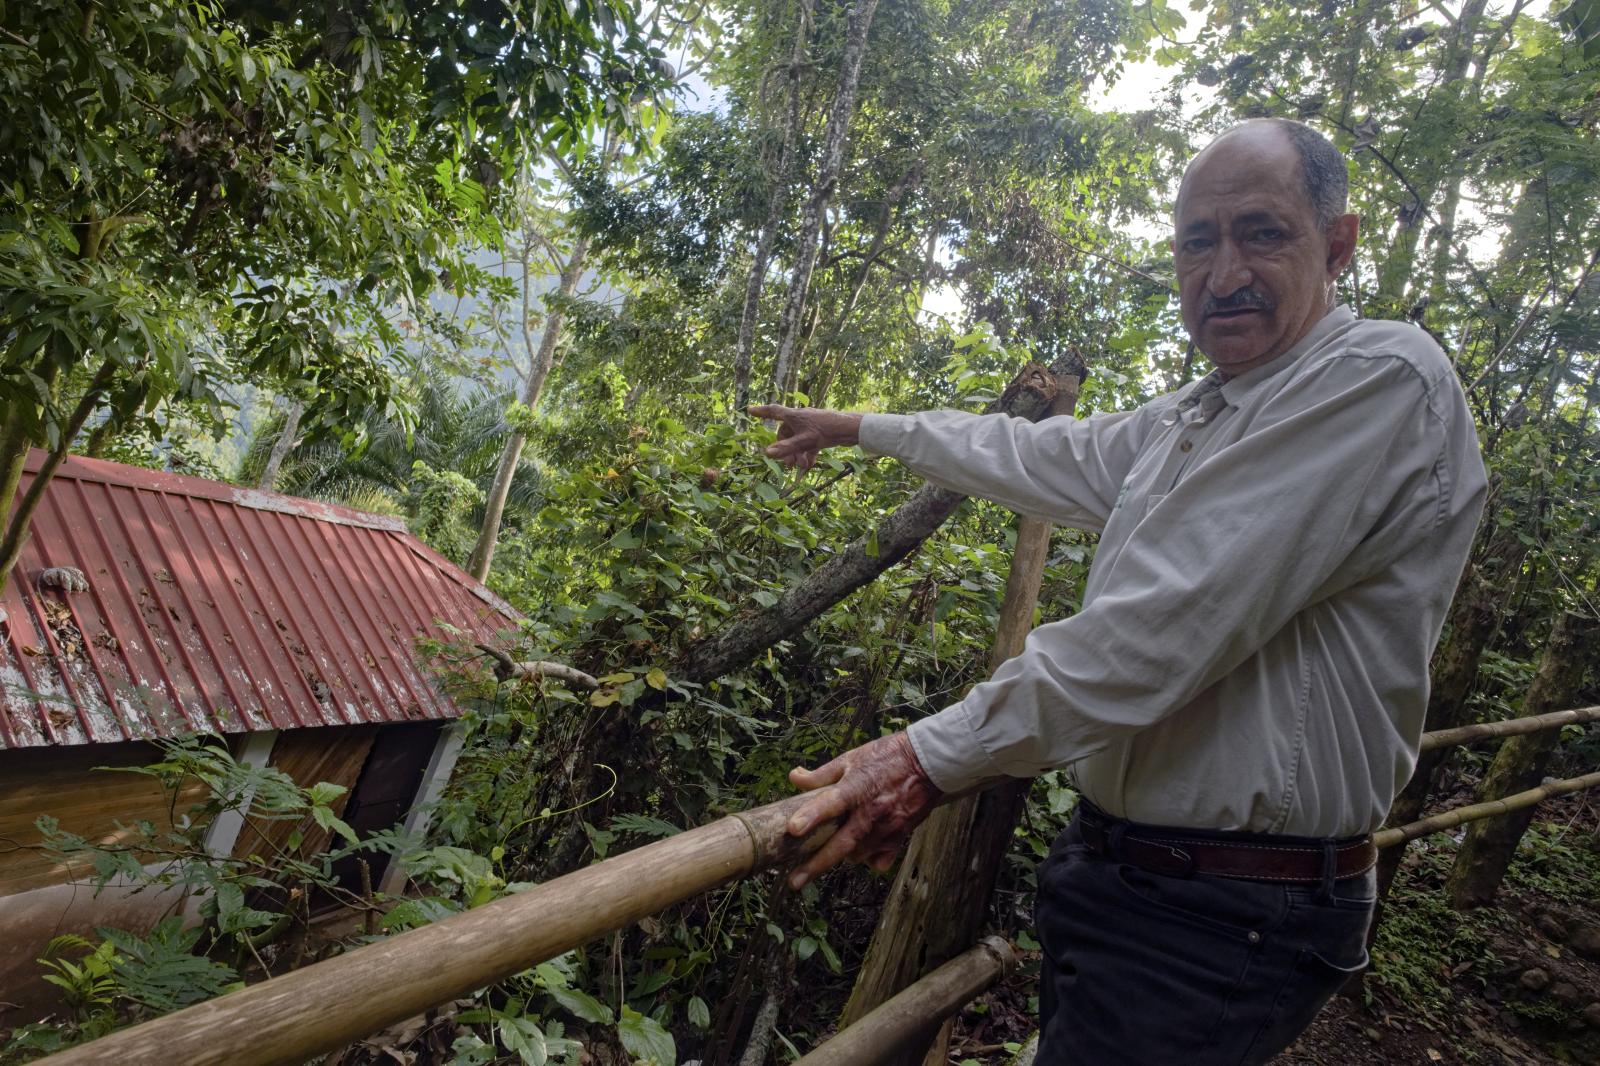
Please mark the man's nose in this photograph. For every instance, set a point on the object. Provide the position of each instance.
(1229, 272)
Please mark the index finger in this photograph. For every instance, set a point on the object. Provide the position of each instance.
(826, 805)
(767, 410)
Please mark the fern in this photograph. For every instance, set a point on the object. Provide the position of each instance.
(160, 970)
(644, 825)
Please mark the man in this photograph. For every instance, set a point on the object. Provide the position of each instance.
(1242, 693)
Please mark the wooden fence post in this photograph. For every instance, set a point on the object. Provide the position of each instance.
(941, 892)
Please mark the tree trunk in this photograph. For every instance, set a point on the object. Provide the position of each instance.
(778, 205)
(827, 368)
(1028, 396)
(1360, 19)
(541, 360)
(1444, 252)
(13, 455)
(805, 260)
(283, 445)
(1490, 844)
(1395, 274)
(15, 518)
(941, 893)
(1474, 619)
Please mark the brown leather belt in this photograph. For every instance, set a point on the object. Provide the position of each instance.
(1247, 856)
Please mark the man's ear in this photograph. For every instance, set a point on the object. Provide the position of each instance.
(1342, 243)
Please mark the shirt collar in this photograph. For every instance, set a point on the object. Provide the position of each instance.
(1235, 389)
(1205, 394)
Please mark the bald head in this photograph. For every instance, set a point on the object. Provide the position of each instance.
(1323, 170)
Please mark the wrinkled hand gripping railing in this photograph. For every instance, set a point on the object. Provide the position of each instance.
(325, 1006)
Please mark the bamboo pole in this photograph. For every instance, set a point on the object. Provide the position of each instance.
(314, 1010)
(914, 1013)
(1475, 812)
(1511, 727)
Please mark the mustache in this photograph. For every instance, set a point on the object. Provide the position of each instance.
(1244, 300)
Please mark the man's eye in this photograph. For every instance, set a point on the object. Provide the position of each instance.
(1196, 244)
(1267, 235)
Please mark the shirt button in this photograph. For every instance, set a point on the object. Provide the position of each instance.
(1186, 446)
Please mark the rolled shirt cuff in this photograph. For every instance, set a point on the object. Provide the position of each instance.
(950, 752)
(884, 434)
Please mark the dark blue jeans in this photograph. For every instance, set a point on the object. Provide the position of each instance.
(1144, 969)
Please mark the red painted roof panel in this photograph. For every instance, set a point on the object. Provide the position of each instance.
(222, 609)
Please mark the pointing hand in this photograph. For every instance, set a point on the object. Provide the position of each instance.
(804, 431)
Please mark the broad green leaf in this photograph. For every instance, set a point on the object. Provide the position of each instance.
(644, 1038)
(581, 1004)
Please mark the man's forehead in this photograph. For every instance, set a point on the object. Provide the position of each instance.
(1198, 219)
(1241, 172)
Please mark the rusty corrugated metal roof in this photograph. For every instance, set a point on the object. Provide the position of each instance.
(216, 608)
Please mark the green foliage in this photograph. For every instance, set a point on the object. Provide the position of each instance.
(88, 987)
(303, 199)
(162, 971)
(436, 472)
(442, 503)
(1557, 863)
(247, 903)
(1424, 946)
(198, 196)
(646, 1040)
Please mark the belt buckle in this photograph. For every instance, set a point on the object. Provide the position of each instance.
(1188, 861)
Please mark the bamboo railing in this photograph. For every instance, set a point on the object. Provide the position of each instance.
(1473, 812)
(918, 1009)
(1476, 812)
(1511, 727)
(325, 1006)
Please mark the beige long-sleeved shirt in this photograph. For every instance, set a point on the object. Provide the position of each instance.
(1276, 556)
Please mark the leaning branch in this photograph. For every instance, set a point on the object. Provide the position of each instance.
(507, 669)
(21, 518)
(916, 1012)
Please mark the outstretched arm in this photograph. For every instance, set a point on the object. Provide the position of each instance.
(1066, 470)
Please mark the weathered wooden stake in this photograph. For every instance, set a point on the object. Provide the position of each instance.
(941, 892)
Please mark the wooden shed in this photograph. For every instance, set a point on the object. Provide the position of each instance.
(286, 625)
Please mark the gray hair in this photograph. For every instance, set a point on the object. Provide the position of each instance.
(1326, 174)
